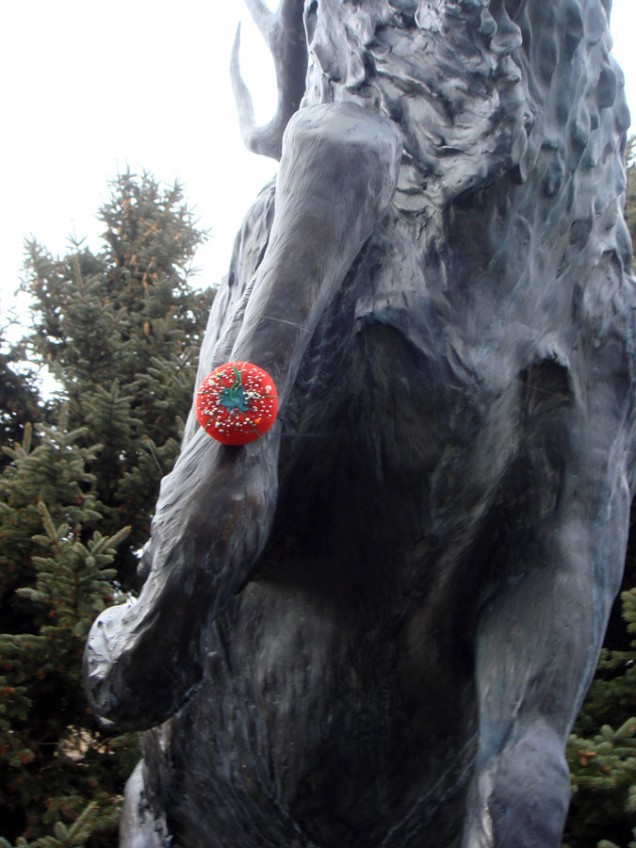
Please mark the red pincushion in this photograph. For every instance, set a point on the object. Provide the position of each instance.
(237, 403)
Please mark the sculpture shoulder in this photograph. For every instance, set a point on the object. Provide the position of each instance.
(247, 254)
(230, 298)
(252, 238)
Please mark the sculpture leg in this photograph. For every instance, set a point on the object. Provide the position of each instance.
(337, 177)
(537, 647)
(139, 827)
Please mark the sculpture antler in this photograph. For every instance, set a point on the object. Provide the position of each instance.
(284, 33)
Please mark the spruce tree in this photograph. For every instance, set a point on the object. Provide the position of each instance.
(19, 397)
(55, 578)
(119, 330)
(602, 750)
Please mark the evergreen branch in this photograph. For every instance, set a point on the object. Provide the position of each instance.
(47, 521)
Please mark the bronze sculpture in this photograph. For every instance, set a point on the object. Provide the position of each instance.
(375, 625)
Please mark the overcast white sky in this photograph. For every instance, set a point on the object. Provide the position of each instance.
(91, 87)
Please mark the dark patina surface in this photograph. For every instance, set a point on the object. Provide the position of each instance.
(373, 627)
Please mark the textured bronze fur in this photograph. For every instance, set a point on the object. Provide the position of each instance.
(374, 627)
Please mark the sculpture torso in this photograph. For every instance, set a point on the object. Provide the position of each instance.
(425, 420)
(378, 622)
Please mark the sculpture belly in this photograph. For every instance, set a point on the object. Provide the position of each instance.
(300, 736)
(335, 700)
(308, 731)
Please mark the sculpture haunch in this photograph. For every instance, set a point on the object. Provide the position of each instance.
(374, 626)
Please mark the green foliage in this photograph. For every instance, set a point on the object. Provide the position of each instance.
(605, 843)
(19, 402)
(52, 473)
(57, 575)
(74, 836)
(602, 750)
(119, 331)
